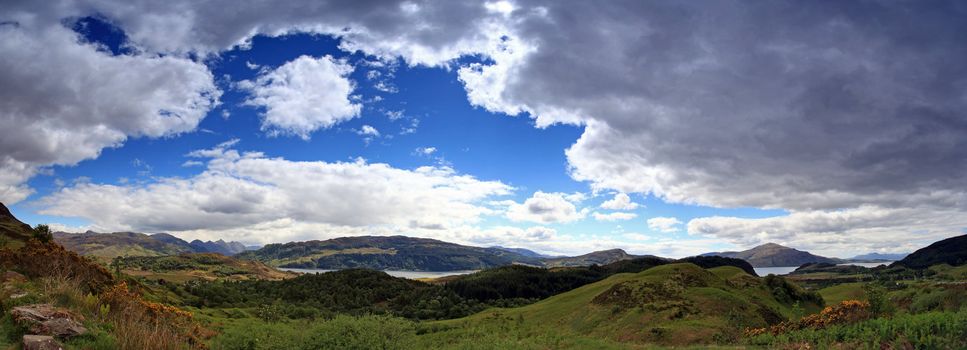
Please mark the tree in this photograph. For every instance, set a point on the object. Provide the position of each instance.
(42, 233)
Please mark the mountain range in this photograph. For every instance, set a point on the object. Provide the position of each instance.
(110, 245)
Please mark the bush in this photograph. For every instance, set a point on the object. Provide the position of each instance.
(42, 233)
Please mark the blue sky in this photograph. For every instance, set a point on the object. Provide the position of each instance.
(485, 123)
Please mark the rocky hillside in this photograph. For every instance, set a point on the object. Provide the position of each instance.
(951, 251)
(385, 253)
(774, 255)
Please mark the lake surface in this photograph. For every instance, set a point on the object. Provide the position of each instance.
(783, 270)
(395, 273)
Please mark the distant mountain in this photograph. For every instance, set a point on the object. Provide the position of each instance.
(602, 257)
(951, 251)
(219, 246)
(880, 257)
(524, 252)
(774, 255)
(385, 253)
(110, 245)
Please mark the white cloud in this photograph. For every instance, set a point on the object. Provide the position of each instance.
(426, 151)
(62, 101)
(616, 216)
(545, 208)
(664, 224)
(368, 130)
(304, 95)
(842, 233)
(249, 192)
(620, 201)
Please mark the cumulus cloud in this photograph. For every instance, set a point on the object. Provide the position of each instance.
(426, 151)
(664, 224)
(620, 201)
(62, 100)
(545, 208)
(246, 191)
(842, 233)
(616, 216)
(304, 95)
(809, 107)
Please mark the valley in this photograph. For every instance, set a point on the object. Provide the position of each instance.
(625, 302)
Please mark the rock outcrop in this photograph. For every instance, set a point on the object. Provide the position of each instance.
(45, 319)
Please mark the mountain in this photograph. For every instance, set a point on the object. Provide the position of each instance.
(774, 255)
(11, 228)
(110, 245)
(219, 246)
(522, 251)
(951, 251)
(880, 257)
(602, 257)
(385, 253)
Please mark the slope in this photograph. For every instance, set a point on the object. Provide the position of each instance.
(675, 304)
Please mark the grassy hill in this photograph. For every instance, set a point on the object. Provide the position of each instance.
(381, 253)
(190, 266)
(773, 255)
(675, 304)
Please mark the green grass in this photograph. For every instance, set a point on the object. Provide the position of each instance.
(846, 291)
(712, 307)
(934, 330)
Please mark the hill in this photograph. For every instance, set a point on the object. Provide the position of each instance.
(522, 251)
(385, 253)
(189, 266)
(673, 304)
(877, 257)
(951, 251)
(602, 257)
(110, 245)
(12, 231)
(774, 255)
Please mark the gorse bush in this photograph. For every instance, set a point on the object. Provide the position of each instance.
(848, 311)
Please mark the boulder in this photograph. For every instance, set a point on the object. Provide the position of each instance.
(45, 319)
(13, 277)
(40, 342)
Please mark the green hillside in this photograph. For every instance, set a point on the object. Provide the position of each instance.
(676, 304)
(951, 251)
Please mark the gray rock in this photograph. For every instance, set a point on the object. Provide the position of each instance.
(40, 342)
(45, 319)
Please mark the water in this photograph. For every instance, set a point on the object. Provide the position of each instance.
(395, 273)
(868, 265)
(783, 270)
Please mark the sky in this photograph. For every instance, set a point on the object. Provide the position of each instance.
(663, 127)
